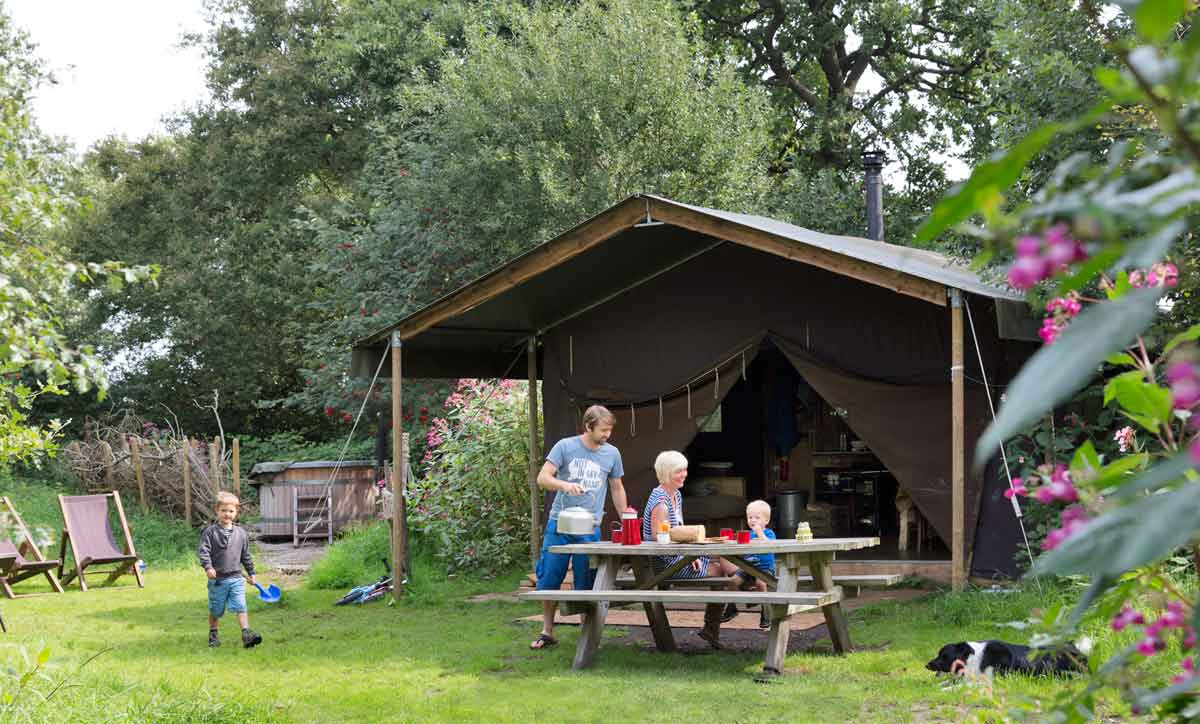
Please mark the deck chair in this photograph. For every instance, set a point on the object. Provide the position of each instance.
(14, 564)
(87, 530)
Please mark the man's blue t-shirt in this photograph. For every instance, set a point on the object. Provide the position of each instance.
(592, 469)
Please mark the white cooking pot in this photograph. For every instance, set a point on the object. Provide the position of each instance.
(576, 521)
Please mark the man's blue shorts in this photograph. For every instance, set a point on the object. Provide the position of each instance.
(226, 593)
(552, 567)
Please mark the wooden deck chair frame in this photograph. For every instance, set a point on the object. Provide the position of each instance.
(10, 573)
(126, 564)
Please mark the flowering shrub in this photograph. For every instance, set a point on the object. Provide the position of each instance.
(1120, 227)
(471, 504)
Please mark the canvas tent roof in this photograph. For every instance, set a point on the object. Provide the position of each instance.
(476, 330)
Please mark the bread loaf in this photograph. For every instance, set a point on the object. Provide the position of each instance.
(687, 534)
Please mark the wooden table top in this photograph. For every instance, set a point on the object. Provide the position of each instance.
(777, 547)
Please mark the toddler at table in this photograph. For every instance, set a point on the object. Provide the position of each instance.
(758, 515)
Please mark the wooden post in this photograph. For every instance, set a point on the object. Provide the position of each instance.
(399, 534)
(535, 454)
(236, 483)
(135, 449)
(219, 458)
(214, 468)
(187, 480)
(109, 458)
(957, 444)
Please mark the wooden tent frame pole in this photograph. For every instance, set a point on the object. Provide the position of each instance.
(399, 532)
(957, 444)
(535, 452)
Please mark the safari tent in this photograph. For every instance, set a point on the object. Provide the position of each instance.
(659, 309)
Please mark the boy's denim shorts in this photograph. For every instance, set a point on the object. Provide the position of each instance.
(226, 593)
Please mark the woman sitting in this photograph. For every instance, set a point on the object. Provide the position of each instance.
(666, 504)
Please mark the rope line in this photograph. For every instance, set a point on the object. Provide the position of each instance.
(1003, 453)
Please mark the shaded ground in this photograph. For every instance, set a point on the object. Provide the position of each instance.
(285, 562)
(732, 640)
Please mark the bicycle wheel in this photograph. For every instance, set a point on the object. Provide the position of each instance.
(354, 595)
(377, 594)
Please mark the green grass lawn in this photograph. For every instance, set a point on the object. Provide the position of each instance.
(438, 657)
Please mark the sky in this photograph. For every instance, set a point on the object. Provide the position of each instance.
(118, 63)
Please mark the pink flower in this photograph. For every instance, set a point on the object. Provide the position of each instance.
(1073, 515)
(1044, 495)
(1064, 491)
(1027, 271)
(1053, 539)
(1180, 370)
(1163, 274)
(1137, 279)
(1185, 393)
(1016, 487)
(1127, 616)
(1189, 671)
(1174, 616)
(1125, 438)
(1050, 330)
(1189, 640)
(1028, 246)
(1150, 646)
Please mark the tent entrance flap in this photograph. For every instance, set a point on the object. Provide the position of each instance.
(905, 426)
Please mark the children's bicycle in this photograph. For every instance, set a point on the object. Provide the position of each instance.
(371, 591)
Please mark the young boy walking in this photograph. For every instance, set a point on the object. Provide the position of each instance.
(224, 552)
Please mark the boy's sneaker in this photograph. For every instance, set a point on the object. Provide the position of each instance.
(729, 613)
(213, 641)
(764, 618)
(250, 639)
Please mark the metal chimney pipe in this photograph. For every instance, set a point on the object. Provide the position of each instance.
(873, 165)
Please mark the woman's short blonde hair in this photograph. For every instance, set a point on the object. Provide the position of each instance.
(667, 463)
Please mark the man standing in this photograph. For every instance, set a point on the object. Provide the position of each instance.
(577, 467)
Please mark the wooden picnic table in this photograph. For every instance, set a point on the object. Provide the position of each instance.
(784, 596)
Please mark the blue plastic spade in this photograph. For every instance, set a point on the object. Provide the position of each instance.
(270, 594)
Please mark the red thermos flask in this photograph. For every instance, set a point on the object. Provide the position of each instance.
(631, 530)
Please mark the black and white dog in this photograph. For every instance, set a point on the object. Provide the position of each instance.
(975, 657)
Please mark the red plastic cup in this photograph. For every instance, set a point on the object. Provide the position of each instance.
(616, 534)
(743, 536)
(727, 533)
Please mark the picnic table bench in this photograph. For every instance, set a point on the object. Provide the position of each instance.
(850, 584)
(784, 596)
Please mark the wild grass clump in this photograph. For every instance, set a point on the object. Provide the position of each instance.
(354, 559)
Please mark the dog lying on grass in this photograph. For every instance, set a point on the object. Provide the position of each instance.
(973, 658)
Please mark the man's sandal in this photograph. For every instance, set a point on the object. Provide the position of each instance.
(543, 641)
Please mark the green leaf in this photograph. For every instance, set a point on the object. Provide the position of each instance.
(1119, 469)
(1110, 389)
(1146, 403)
(1154, 19)
(1126, 537)
(1088, 270)
(43, 656)
(1191, 334)
(1061, 369)
(1123, 359)
(988, 179)
(1155, 478)
(1086, 462)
